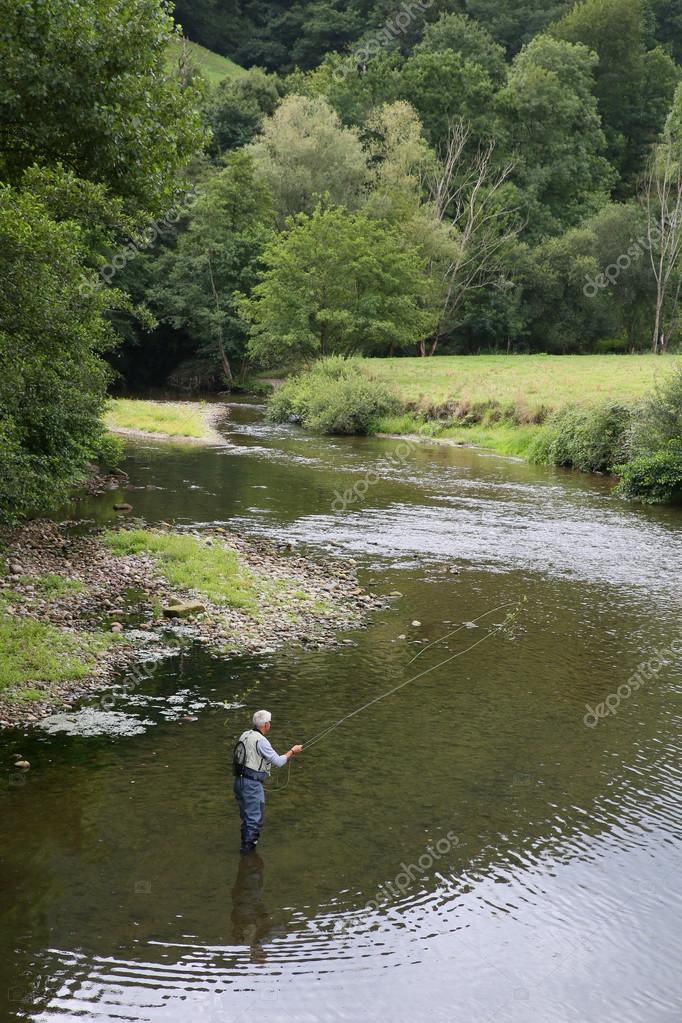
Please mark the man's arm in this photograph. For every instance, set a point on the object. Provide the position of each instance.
(276, 759)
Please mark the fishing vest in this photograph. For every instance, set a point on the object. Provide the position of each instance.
(246, 755)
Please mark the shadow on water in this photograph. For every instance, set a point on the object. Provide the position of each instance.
(469, 846)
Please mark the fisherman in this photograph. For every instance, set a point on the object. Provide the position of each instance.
(252, 760)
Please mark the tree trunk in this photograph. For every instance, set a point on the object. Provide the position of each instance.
(227, 369)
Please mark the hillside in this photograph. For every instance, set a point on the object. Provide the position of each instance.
(212, 66)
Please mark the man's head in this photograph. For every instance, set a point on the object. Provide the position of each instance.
(262, 720)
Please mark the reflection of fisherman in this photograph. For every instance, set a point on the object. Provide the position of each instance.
(253, 758)
(250, 919)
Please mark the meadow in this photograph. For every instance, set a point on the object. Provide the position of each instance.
(522, 387)
(212, 66)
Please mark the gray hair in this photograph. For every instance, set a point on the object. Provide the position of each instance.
(261, 717)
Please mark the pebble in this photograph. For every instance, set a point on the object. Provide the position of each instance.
(42, 548)
(415, 624)
(23, 765)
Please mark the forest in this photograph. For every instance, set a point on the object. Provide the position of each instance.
(370, 180)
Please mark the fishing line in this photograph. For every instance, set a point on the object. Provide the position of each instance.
(464, 625)
(325, 731)
(382, 696)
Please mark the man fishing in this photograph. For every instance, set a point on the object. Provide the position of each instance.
(253, 759)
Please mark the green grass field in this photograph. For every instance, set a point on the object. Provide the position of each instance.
(212, 66)
(181, 419)
(528, 384)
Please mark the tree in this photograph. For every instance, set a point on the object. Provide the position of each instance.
(338, 283)
(470, 199)
(551, 113)
(303, 153)
(662, 196)
(560, 316)
(444, 86)
(459, 33)
(85, 84)
(352, 90)
(52, 336)
(217, 256)
(237, 107)
(634, 88)
(515, 22)
(668, 19)
(625, 278)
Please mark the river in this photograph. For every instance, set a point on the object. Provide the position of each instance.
(467, 849)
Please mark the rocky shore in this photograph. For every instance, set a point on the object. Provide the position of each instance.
(65, 576)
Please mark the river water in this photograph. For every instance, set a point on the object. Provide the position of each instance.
(468, 849)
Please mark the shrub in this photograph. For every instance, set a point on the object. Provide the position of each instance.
(590, 439)
(653, 479)
(109, 451)
(658, 422)
(336, 396)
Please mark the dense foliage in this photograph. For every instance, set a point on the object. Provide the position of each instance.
(593, 439)
(335, 396)
(528, 157)
(439, 177)
(93, 135)
(654, 473)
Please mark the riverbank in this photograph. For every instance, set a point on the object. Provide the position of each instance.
(626, 424)
(78, 610)
(185, 421)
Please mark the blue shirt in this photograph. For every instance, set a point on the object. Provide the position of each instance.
(268, 753)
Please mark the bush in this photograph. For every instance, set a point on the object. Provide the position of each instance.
(109, 451)
(589, 439)
(336, 396)
(658, 422)
(653, 479)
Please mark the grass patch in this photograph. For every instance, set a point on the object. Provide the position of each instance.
(189, 564)
(175, 420)
(505, 438)
(212, 66)
(531, 385)
(53, 585)
(33, 651)
(515, 441)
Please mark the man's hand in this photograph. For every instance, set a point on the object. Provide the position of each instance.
(294, 750)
